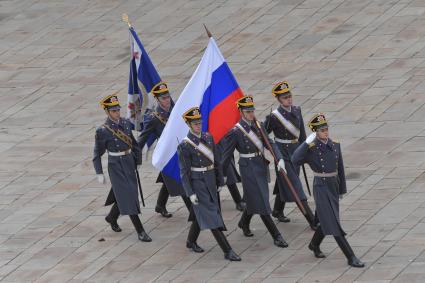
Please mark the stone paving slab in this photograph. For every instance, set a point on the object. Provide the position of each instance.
(361, 62)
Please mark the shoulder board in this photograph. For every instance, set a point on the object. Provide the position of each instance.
(310, 145)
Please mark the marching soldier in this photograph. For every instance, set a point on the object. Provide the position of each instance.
(246, 138)
(124, 156)
(156, 124)
(324, 157)
(200, 175)
(287, 125)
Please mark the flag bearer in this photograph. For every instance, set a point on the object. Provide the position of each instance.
(124, 156)
(200, 176)
(156, 124)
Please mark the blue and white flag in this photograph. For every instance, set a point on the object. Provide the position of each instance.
(142, 78)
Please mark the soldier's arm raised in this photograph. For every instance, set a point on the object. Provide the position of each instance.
(300, 154)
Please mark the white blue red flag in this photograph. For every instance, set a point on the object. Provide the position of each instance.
(214, 89)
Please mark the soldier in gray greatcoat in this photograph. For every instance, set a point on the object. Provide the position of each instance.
(154, 125)
(324, 157)
(246, 138)
(124, 156)
(287, 125)
(200, 174)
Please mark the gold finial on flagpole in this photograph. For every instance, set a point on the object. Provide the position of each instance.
(125, 19)
(208, 32)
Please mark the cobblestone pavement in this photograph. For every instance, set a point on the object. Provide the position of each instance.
(361, 62)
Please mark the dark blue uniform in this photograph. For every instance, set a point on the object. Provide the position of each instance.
(200, 176)
(203, 184)
(254, 171)
(325, 158)
(255, 176)
(274, 125)
(121, 169)
(287, 140)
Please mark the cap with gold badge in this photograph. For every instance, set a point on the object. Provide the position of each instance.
(110, 102)
(160, 90)
(318, 121)
(192, 115)
(281, 89)
(246, 103)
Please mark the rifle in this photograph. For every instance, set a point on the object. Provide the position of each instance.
(282, 174)
(140, 188)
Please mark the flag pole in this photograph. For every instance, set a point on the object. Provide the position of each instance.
(208, 32)
(126, 19)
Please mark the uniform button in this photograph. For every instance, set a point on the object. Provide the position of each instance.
(323, 165)
(323, 179)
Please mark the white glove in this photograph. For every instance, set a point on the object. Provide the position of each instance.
(101, 178)
(194, 199)
(138, 167)
(281, 165)
(311, 138)
(225, 179)
(219, 189)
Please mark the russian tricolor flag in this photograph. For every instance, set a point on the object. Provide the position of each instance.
(212, 87)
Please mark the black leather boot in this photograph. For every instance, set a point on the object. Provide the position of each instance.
(192, 237)
(229, 254)
(141, 234)
(244, 224)
(162, 201)
(278, 208)
(314, 245)
(112, 218)
(271, 227)
(352, 260)
(309, 216)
